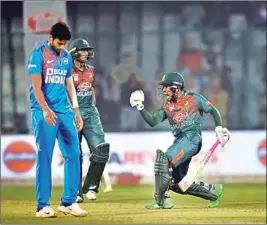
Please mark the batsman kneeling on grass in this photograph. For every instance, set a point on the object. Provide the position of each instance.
(184, 111)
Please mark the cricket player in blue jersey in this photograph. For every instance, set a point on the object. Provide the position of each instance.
(55, 115)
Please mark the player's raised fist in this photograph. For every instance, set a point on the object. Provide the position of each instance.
(137, 98)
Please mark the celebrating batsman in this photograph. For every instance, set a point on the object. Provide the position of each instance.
(83, 76)
(184, 111)
(53, 117)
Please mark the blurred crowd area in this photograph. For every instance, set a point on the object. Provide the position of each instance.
(219, 48)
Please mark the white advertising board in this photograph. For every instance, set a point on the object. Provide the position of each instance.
(134, 153)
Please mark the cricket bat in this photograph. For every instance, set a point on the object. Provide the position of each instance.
(195, 169)
(105, 182)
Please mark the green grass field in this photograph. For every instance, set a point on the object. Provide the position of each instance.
(240, 203)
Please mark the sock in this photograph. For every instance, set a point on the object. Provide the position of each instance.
(66, 204)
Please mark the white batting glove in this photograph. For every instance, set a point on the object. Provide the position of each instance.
(223, 135)
(226, 133)
(137, 98)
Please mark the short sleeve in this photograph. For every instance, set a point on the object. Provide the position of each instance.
(92, 68)
(35, 63)
(70, 63)
(202, 103)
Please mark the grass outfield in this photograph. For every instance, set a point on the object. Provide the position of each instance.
(240, 203)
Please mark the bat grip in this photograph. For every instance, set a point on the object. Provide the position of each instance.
(210, 152)
(214, 146)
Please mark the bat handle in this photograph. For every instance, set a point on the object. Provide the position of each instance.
(210, 152)
(214, 146)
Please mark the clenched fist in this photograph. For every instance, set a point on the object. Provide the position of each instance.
(223, 135)
(137, 98)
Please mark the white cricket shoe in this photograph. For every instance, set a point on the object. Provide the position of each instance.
(73, 209)
(47, 212)
(79, 199)
(91, 195)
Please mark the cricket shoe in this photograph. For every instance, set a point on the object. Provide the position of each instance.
(167, 204)
(79, 199)
(217, 190)
(91, 195)
(73, 209)
(46, 212)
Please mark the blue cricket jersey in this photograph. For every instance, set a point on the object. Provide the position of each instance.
(54, 69)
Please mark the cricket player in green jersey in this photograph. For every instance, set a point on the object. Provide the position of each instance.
(184, 111)
(83, 76)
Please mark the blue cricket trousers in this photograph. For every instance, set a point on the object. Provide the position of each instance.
(66, 134)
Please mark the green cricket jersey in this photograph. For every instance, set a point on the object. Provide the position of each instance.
(186, 114)
(83, 84)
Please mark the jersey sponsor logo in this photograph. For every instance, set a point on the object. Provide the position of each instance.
(52, 71)
(180, 110)
(84, 93)
(55, 76)
(176, 112)
(19, 157)
(180, 114)
(32, 66)
(84, 86)
(182, 124)
(55, 80)
(180, 117)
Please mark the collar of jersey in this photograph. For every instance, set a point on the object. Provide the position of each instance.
(75, 68)
(51, 49)
(184, 94)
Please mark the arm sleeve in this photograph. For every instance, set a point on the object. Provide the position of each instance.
(153, 119)
(35, 63)
(69, 72)
(205, 106)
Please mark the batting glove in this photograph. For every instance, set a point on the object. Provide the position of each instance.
(137, 98)
(223, 135)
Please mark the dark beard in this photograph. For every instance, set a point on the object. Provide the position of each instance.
(174, 98)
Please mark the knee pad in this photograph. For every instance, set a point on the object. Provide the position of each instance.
(98, 160)
(100, 153)
(162, 177)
